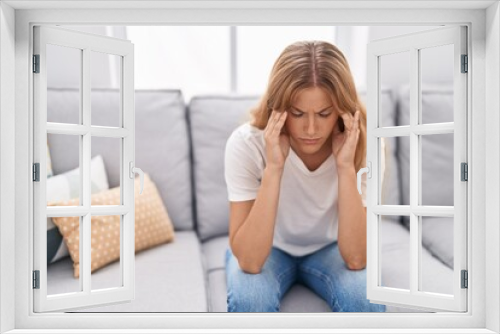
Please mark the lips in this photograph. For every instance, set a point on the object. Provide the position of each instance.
(310, 141)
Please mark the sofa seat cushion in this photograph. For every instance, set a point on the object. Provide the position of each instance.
(214, 251)
(168, 278)
(395, 253)
(436, 276)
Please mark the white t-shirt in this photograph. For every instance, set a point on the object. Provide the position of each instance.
(307, 215)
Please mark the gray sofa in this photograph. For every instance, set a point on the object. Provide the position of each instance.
(182, 147)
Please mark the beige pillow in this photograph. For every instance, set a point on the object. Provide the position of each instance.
(152, 225)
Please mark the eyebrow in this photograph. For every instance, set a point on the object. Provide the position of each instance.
(319, 112)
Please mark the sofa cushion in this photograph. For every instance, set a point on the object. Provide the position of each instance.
(214, 251)
(395, 238)
(65, 187)
(437, 166)
(437, 237)
(152, 226)
(212, 120)
(161, 143)
(437, 187)
(168, 278)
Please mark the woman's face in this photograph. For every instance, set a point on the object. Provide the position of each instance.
(311, 120)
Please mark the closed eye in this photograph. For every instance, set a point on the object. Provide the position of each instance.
(300, 114)
(323, 113)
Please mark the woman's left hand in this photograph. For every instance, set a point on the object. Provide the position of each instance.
(344, 143)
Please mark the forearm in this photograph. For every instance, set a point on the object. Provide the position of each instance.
(352, 220)
(253, 241)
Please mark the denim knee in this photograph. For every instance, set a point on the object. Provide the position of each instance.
(353, 296)
(252, 293)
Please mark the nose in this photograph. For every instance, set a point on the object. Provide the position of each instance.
(311, 126)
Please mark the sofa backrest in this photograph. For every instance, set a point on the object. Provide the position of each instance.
(212, 120)
(437, 150)
(161, 147)
(437, 166)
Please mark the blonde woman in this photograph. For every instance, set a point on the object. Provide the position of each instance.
(295, 212)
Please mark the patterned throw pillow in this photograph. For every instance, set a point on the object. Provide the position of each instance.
(152, 226)
(64, 187)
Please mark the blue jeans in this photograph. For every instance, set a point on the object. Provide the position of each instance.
(324, 272)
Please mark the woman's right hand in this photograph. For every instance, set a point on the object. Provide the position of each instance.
(277, 142)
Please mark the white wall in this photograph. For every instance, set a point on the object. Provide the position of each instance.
(7, 166)
(492, 162)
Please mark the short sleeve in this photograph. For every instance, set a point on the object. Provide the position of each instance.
(241, 168)
(382, 168)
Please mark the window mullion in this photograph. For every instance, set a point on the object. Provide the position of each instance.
(233, 49)
(414, 171)
(85, 182)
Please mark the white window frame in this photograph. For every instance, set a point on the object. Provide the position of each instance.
(415, 296)
(125, 133)
(484, 103)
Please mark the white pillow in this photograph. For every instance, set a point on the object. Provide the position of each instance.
(49, 162)
(65, 187)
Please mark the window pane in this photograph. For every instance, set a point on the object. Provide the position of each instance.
(259, 47)
(436, 74)
(437, 169)
(64, 72)
(64, 185)
(395, 253)
(395, 71)
(105, 253)
(110, 149)
(105, 89)
(389, 172)
(437, 239)
(61, 274)
(404, 168)
(193, 59)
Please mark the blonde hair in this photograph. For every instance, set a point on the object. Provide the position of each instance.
(306, 64)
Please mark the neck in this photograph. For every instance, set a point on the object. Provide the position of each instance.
(313, 161)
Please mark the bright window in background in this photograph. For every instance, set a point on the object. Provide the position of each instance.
(258, 47)
(200, 60)
(223, 59)
(195, 59)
